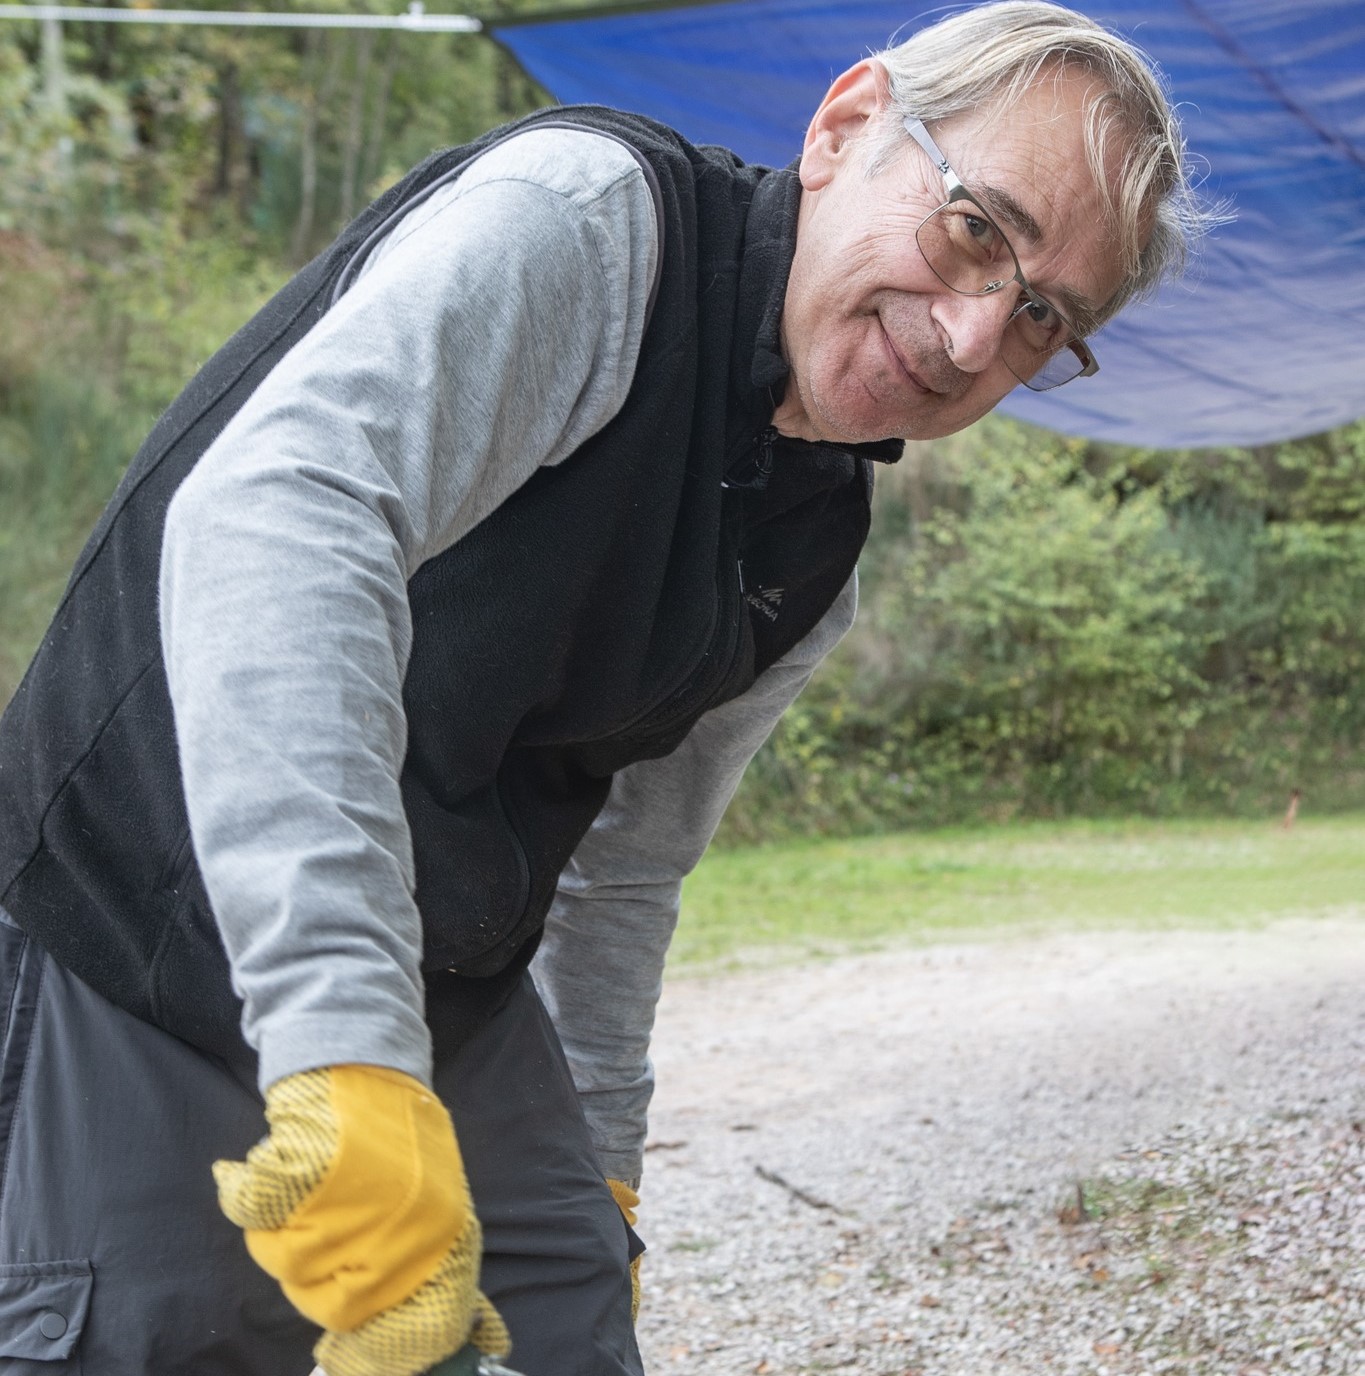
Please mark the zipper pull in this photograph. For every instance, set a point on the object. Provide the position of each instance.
(755, 467)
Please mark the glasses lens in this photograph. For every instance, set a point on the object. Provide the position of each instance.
(1057, 368)
(966, 250)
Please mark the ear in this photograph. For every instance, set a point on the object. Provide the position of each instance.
(854, 98)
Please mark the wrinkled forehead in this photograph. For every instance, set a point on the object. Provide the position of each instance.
(1026, 161)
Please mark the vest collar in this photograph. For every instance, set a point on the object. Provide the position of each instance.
(758, 370)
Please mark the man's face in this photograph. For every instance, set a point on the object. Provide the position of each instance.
(877, 344)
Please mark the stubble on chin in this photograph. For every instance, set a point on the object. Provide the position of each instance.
(915, 337)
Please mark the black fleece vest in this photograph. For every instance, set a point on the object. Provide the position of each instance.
(584, 625)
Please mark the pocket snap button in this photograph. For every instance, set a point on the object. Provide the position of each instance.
(52, 1325)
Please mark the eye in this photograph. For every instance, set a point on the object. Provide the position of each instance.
(1042, 315)
(980, 230)
(1040, 324)
(972, 233)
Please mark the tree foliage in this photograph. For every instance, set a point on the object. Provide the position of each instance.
(1052, 627)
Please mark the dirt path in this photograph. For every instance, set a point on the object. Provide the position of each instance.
(913, 1090)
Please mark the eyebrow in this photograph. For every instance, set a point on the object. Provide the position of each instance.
(1008, 209)
(1077, 309)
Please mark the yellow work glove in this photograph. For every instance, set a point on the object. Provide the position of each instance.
(357, 1204)
(628, 1201)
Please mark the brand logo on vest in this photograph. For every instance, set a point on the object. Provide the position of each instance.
(766, 601)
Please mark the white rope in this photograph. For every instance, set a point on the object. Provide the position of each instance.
(416, 19)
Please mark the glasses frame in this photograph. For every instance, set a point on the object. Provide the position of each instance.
(957, 191)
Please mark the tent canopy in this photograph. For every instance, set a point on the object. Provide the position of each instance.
(1265, 340)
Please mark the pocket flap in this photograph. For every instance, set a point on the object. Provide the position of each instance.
(43, 1305)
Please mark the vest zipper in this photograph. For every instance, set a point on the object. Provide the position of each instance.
(750, 471)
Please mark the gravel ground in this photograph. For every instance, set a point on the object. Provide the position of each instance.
(1076, 1154)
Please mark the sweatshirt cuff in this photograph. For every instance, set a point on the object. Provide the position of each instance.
(621, 1165)
(398, 1040)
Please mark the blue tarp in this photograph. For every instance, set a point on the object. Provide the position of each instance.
(1265, 341)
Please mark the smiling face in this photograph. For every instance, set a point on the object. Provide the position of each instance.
(878, 346)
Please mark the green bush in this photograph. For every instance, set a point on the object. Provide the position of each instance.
(1051, 628)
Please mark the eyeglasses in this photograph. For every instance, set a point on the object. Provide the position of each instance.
(969, 253)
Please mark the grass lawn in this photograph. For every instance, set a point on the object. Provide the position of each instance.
(821, 897)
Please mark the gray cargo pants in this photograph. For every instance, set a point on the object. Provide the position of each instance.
(114, 1258)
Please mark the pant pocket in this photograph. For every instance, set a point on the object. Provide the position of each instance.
(43, 1309)
(21, 968)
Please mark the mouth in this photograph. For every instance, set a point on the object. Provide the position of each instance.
(916, 380)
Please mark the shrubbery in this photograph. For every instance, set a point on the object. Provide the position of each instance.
(1051, 627)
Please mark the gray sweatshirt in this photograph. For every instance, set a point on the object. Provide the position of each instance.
(494, 331)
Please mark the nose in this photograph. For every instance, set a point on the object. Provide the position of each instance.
(973, 327)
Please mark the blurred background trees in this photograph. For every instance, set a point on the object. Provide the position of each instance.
(1052, 627)
(1049, 626)
(156, 185)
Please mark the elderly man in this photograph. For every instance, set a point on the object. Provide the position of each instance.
(440, 615)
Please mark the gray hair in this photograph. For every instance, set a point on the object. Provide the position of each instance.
(993, 53)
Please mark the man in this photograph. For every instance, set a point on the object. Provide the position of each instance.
(442, 611)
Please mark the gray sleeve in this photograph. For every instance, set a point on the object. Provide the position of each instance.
(497, 330)
(600, 966)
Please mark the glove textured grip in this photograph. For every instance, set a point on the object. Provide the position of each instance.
(628, 1201)
(358, 1195)
(283, 1169)
(425, 1328)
